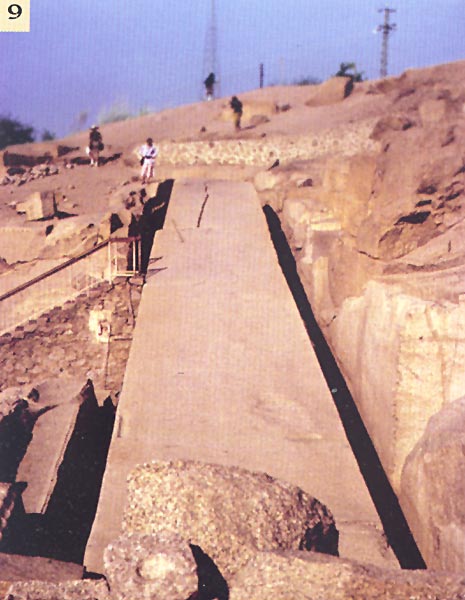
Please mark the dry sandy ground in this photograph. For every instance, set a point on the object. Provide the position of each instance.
(88, 190)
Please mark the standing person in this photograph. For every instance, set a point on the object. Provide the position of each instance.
(95, 145)
(148, 153)
(209, 84)
(236, 106)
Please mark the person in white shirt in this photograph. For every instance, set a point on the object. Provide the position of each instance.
(147, 153)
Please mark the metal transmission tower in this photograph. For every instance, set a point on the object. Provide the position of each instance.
(210, 59)
(386, 29)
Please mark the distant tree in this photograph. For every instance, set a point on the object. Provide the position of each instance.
(14, 132)
(349, 70)
(47, 135)
(310, 80)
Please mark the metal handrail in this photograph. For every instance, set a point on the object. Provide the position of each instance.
(56, 269)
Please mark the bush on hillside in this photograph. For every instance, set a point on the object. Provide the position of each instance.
(310, 80)
(14, 132)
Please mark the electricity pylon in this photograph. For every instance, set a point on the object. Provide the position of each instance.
(386, 29)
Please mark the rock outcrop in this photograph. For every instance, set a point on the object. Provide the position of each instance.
(434, 488)
(229, 512)
(331, 91)
(376, 239)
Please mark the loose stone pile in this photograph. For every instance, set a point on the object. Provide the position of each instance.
(20, 175)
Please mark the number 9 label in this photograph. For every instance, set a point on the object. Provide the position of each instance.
(15, 15)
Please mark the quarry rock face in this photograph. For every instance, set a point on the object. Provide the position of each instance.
(434, 486)
(387, 286)
(419, 345)
(150, 566)
(229, 512)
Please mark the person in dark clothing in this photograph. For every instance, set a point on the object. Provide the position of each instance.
(95, 145)
(236, 106)
(209, 84)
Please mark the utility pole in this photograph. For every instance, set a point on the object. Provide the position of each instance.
(386, 29)
(210, 61)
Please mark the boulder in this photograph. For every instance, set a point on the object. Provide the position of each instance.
(150, 566)
(331, 91)
(305, 576)
(433, 489)
(39, 205)
(231, 513)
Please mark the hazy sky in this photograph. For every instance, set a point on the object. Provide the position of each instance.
(88, 55)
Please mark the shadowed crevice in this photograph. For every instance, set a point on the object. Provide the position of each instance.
(394, 523)
(153, 218)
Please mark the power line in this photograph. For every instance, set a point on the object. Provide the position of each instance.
(386, 29)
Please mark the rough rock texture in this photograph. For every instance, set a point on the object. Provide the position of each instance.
(419, 344)
(378, 240)
(229, 512)
(60, 343)
(150, 566)
(434, 485)
(19, 568)
(74, 590)
(304, 576)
